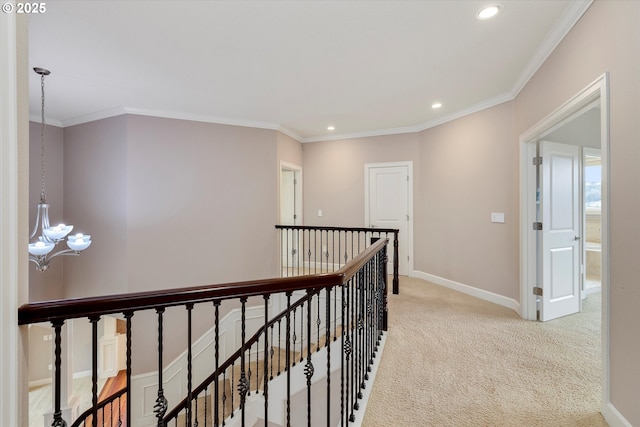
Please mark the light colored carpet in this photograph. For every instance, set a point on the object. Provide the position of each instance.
(454, 360)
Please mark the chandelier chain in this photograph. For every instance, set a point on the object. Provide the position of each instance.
(42, 156)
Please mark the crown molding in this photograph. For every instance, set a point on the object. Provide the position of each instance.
(569, 18)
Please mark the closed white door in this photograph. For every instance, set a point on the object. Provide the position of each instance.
(561, 230)
(388, 207)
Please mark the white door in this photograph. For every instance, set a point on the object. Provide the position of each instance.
(388, 199)
(561, 231)
(290, 214)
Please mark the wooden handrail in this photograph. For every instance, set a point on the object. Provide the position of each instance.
(49, 311)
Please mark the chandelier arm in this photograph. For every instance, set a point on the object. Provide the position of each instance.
(64, 252)
(35, 226)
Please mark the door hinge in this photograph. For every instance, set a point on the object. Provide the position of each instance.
(537, 291)
(407, 217)
(537, 226)
(295, 216)
(537, 161)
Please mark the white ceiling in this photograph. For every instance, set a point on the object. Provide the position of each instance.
(366, 67)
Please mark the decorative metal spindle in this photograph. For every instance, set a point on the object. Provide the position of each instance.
(128, 315)
(243, 383)
(57, 413)
(271, 354)
(293, 338)
(335, 316)
(302, 332)
(195, 422)
(308, 368)
(345, 352)
(205, 406)
(385, 259)
(94, 369)
(224, 397)
(189, 365)
(266, 360)
(279, 343)
(216, 385)
(328, 345)
(288, 252)
(233, 382)
(120, 408)
(309, 249)
(288, 357)
(351, 296)
(318, 323)
(161, 405)
(396, 265)
(357, 332)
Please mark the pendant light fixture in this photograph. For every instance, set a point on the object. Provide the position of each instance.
(40, 251)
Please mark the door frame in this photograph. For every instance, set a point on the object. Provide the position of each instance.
(286, 166)
(596, 92)
(409, 165)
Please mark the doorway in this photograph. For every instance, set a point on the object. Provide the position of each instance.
(389, 204)
(594, 100)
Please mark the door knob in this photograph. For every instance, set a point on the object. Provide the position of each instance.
(577, 238)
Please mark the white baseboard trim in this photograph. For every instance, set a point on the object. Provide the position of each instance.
(613, 417)
(469, 290)
(38, 383)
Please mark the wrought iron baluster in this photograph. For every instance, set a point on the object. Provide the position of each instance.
(343, 357)
(265, 392)
(352, 329)
(128, 315)
(288, 356)
(308, 367)
(302, 332)
(216, 385)
(243, 383)
(279, 344)
(94, 369)
(328, 345)
(189, 415)
(58, 421)
(294, 339)
(161, 405)
(318, 323)
(271, 354)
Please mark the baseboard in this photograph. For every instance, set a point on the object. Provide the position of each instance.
(469, 290)
(613, 417)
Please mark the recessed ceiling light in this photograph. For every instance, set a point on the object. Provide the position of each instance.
(331, 127)
(488, 12)
(436, 105)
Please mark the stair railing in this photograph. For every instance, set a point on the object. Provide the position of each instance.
(343, 312)
(307, 249)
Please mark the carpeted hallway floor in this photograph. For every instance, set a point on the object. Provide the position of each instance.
(454, 360)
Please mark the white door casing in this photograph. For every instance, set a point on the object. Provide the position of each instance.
(388, 204)
(561, 229)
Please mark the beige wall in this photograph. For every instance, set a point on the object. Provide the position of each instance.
(469, 170)
(606, 39)
(95, 203)
(334, 175)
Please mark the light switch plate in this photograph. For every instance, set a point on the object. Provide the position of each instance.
(497, 217)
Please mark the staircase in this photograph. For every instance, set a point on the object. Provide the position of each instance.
(306, 363)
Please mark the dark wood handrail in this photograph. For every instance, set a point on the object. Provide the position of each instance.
(49, 311)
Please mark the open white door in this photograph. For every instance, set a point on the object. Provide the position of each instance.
(561, 231)
(388, 206)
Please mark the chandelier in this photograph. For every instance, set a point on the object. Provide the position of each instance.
(40, 251)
